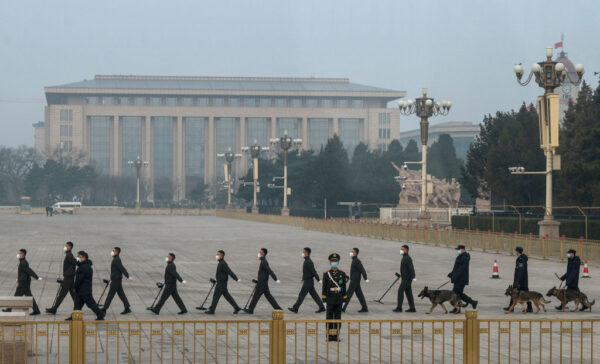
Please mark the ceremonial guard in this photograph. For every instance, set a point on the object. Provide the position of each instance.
(334, 295)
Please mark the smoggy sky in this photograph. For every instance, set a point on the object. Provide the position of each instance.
(463, 51)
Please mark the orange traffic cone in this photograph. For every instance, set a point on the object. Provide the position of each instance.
(495, 273)
(586, 270)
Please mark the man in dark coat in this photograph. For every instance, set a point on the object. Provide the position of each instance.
(356, 272)
(68, 280)
(222, 275)
(170, 288)
(460, 276)
(309, 275)
(24, 274)
(334, 295)
(83, 286)
(571, 278)
(262, 287)
(520, 280)
(407, 272)
(117, 271)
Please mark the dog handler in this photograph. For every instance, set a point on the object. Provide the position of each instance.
(571, 278)
(460, 276)
(520, 280)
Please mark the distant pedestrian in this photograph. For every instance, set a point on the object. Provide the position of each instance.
(117, 271)
(309, 276)
(83, 286)
(262, 287)
(356, 272)
(171, 278)
(407, 274)
(222, 276)
(460, 276)
(68, 279)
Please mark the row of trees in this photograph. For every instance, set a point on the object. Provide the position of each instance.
(512, 139)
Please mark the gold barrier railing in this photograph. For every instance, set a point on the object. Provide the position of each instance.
(272, 219)
(464, 339)
(542, 247)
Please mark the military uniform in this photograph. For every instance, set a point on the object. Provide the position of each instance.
(334, 295)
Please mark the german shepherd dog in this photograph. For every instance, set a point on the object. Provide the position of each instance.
(438, 297)
(523, 297)
(565, 296)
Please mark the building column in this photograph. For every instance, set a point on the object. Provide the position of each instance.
(273, 128)
(179, 165)
(336, 127)
(114, 148)
(304, 134)
(210, 152)
(148, 156)
(242, 166)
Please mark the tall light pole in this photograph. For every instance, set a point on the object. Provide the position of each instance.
(229, 158)
(138, 164)
(548, 75)
(424, 107)
(254, 151)
(285, 143)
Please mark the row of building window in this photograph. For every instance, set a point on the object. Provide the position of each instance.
(66, 115)
(223, 102)
(66, 130)
(384, 133)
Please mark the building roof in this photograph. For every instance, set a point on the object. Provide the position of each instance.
(244, 84)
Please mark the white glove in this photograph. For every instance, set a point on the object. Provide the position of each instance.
(320, 282)
(278, 281)
(184, 281)
(239, 280)
(130, 278)
(414, 279)
(325, 304)
(40, 278)
(366, 280)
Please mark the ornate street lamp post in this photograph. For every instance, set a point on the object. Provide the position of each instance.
(138, 164)
(548, 75)
(285, 143)
(254, 151)
(227, 183)
(424, 107)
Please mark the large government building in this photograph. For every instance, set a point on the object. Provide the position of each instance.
(180, 124)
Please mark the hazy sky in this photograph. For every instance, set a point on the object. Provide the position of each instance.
(463, 51)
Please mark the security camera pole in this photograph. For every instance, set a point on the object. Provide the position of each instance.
(229, 158)
(285, 143)
(138, 164)
(424, 107)
(254, 151)
(548, 75)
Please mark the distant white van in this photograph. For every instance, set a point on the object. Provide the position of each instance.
(66, 207)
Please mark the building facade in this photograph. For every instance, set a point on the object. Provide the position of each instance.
(462, 132)
(180, 124)
(39, 137)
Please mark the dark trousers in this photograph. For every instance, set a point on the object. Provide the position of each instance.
(168, 292)
(308, 287)
(260, 290)
(221, 290)
(88, 300)
(458, 289)
(334, 312)
(66, 287)
(354, 286)
(115, 287)
(406, 289)
(25, 290)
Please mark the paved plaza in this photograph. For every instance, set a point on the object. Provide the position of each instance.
(145, 241)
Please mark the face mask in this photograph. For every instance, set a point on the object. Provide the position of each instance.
(351, 254)
(166, 259)
(64, 248)
(334, 264)
(568, 256)
(258, 255)
(78, 260)
(217, 257)
(401, 252)
(458, 252)
(303, 255)
(112, 254)
(18, 257)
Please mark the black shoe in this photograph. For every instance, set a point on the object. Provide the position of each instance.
(69, 319)
(209, 312)
(101, 318)
(6, 310)
(364, 309)
(51, 311)
(155, 311)
(103, 311)
(321, 309)
(291, 309)
(559, 307)
(248, 311)
(126, 311)
(181, 312)
(474, 304)
(397, 309)
(34, 313)
(506, 308)
(236, 310)
(411, 310)
(529, 309)
(583, 308)
(454, 311)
